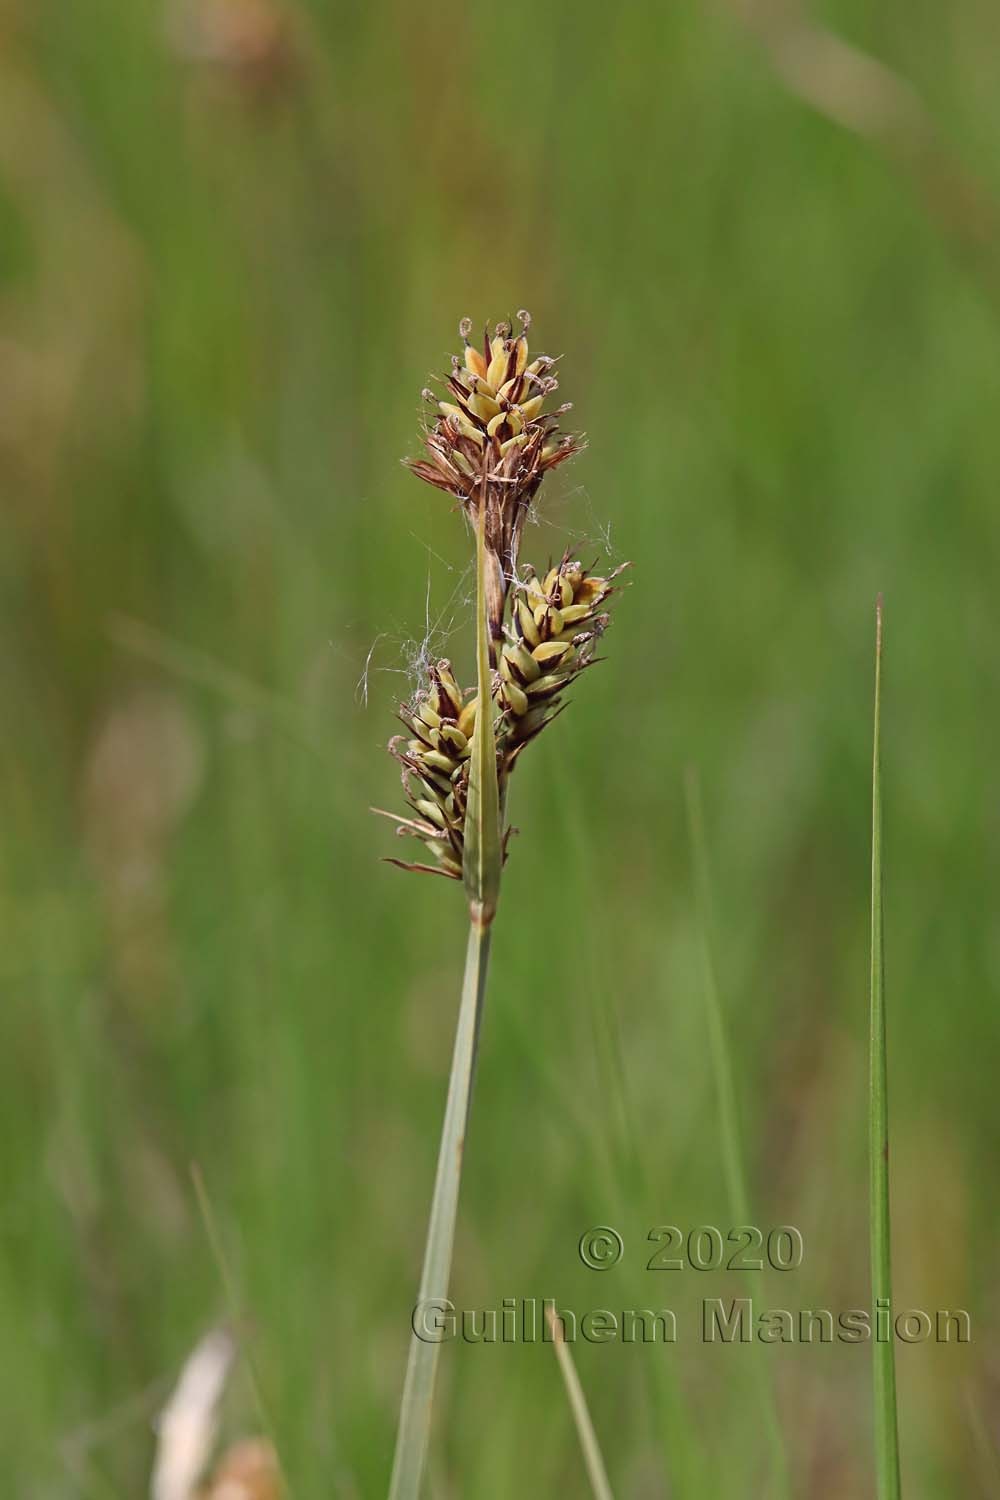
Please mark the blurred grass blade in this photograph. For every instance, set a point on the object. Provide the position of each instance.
(883, 1354)
(725, 1091)
(624, 1175)
(596, 1471)
(483, 859)
(421, 1369)
(188, 664)
(228, 1280)
(718, 1039)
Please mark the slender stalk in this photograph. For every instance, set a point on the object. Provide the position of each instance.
(482, 865)
(421, 1369)
(483, 860)
(883, 1354)
(596, 1472)
(629, 1181)
(228, 1280)
(729, 1119)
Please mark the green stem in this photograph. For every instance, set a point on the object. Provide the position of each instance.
(421, 1370)
(883, 1354)
(482, 860)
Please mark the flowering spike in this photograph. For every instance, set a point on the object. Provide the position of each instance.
(490, 444)
(493, 443)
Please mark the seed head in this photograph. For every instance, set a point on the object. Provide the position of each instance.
(491, 422)
(555, 624)
(492, 442)
(435, 769)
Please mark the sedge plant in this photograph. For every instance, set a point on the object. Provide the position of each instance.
(489, 441)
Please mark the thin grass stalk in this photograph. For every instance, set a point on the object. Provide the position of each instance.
(591, 1448)
(228, 1279)
(883, 1353)
(724, 1078)
(683, 1451)
(483, 860)
(482, 882)
(421, 1370)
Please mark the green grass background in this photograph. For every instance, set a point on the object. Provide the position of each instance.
(222, 287)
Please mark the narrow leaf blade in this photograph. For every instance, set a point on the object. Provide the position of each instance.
(883, 1353)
